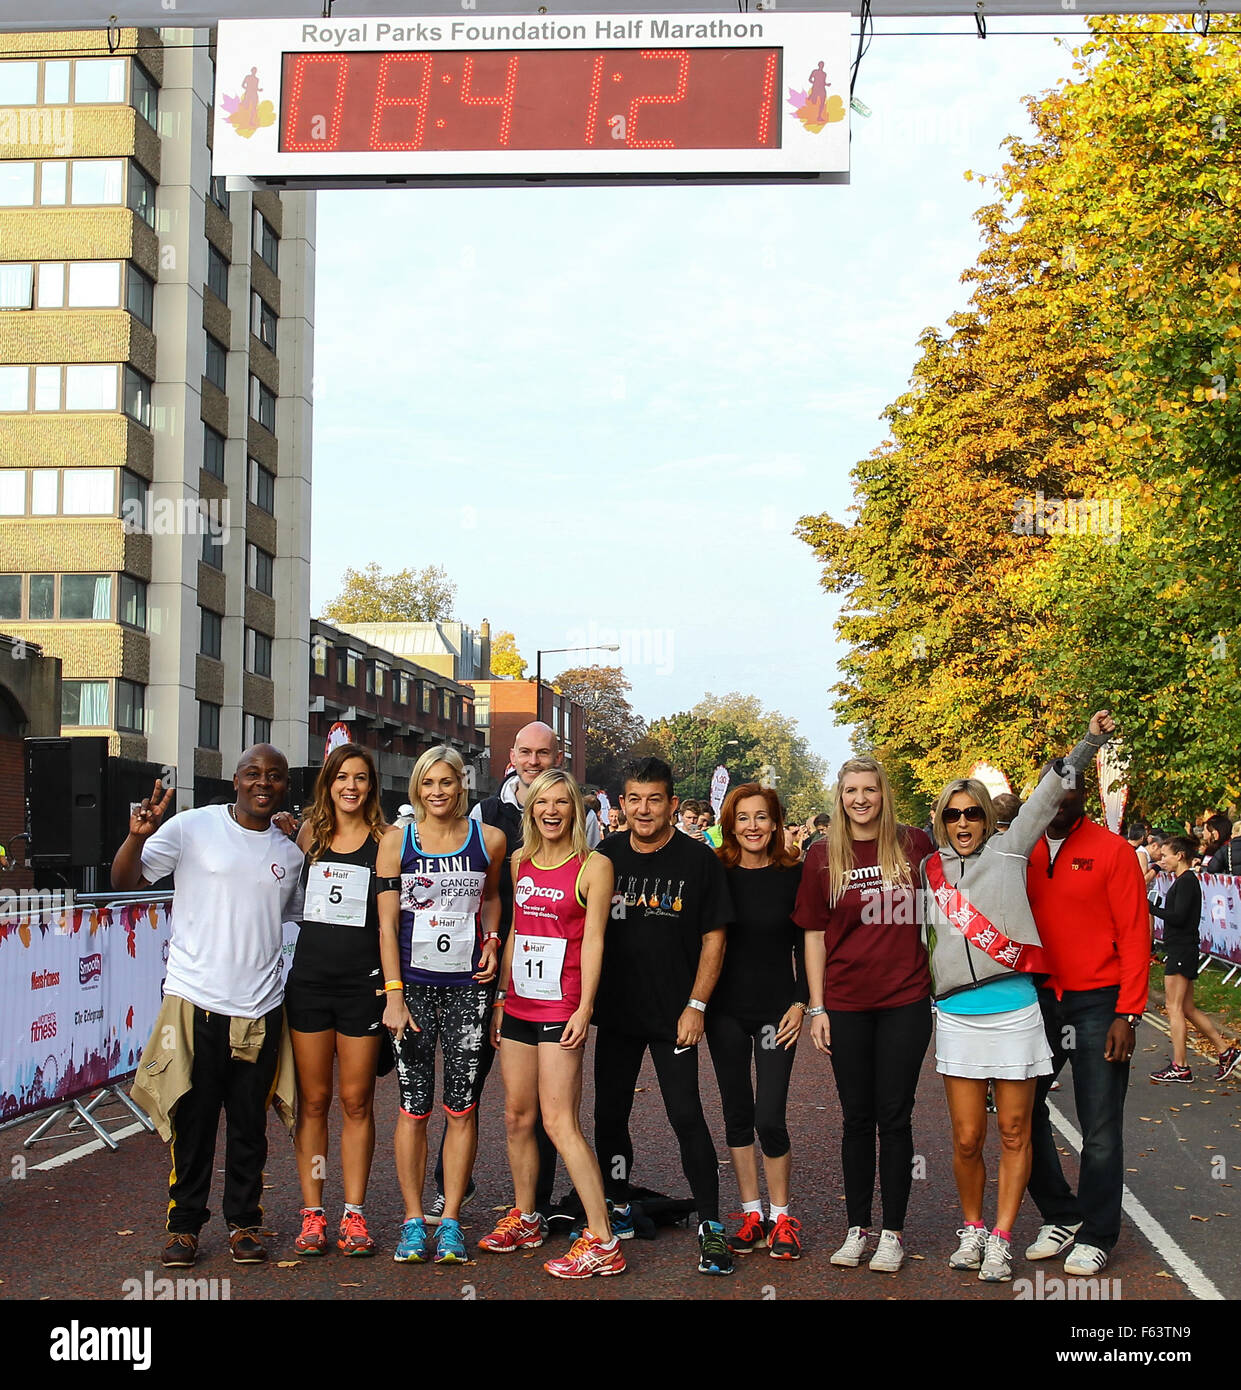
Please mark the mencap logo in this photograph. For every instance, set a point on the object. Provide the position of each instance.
(90, 968)
(522, 890)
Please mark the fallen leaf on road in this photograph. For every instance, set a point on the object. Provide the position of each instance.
(349, 1286)
(917, 1257)
(1180, 1189)
(1162, 1274)
(1143, 1117)
(287, 1264)
(1131, 1170)
(1192, 1217)
(1222, 1213)
(124, 1233)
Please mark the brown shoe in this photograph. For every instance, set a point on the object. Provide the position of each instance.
(247, 1245)
(181, 1250)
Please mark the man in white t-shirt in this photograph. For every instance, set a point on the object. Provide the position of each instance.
(236, 875)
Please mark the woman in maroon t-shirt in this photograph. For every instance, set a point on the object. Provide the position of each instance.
(870, 995)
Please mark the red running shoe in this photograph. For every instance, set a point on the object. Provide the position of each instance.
(588, 1256)
(355, 1239)
(513, 1232)
(312, 1239)
(751, 1235)
(784, 1241)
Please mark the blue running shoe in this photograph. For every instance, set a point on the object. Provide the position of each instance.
(714, 1256)
(450, 1243)
(619, 1218)
(411, 1247)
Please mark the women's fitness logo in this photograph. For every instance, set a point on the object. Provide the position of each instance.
(247, 113)
(813, 107)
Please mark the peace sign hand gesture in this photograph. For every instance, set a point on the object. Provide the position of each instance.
(146, 817)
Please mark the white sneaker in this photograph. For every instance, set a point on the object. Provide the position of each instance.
(889, 1253)
(997, 1263)
(1085, 1259)
(968, 1255)
(1051, 1240)
(854, 1247)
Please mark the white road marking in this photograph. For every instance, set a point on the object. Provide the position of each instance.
(1173, 1256)
(71, 1155)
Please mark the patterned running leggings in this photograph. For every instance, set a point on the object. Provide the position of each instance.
(456, 1016)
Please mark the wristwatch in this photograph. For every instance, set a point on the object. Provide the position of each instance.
(1131, 1019)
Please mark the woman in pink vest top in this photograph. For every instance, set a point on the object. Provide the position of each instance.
(562, 894)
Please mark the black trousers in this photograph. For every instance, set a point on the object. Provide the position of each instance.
(876, 1056)
(244, 1090)
(618, 1060)
(547, 1150)
(759, 1103)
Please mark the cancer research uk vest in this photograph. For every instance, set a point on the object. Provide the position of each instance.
(441, 894)
(549, 921)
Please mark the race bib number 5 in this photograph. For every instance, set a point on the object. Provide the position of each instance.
(336, 894)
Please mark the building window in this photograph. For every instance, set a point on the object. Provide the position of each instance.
(258, 652)
(93, 182)
(16, 285)
(318, 657)
(42, 606)
(482, 711)
(88, 492)
(446, 708)
(17, 183)
(137, 397)
(13, 492)
(208, 725)
(86, 597)
(50, 293)
(141, 194)
(140, 296)
(424, 696)
(211, 634)
(11, 597)
(257, 729)
(263, 321)
(84, 705)
(133, 610)
(349, 668)
(131, 707)
(380, 678)
(262, 487)
(370, 677)
(259, 569)
(56, 83)
(145, 94)
(213, 452)
(217, 362)
(263, 404)
(99, 80)
(219, 193)
(14, 388)
(213, 551)
(94, 284)
(467, 713)
(217, 274)
(133, 501)
(90, 387)
(19, 84)
(266, 242)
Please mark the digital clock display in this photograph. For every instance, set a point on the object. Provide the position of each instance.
(466, 99)
(548, 99)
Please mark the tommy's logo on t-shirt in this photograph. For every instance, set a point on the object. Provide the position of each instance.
(1083, 863)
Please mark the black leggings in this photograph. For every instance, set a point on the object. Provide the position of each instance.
(618, 1060)
(760, 1104)
(877, 1056)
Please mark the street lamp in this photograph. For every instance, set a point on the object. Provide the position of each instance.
(538, 667)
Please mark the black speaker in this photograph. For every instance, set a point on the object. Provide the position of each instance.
(128, 780)
(301, 788)
(66, 801)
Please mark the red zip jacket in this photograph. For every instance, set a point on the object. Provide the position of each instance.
(1090, 909)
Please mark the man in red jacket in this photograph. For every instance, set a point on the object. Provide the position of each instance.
(1088, 896)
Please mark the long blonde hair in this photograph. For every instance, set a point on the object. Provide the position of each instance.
(893, 861)
(531, 837)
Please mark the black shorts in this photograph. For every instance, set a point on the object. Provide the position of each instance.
(1180, 957)
(349, 1007)
(522, 1031)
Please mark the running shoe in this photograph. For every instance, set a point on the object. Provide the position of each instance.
(714, 1256)
(1052, 1240)
(619, 1218)
(411, 1245)
(997, 1262)
(1173, 1073)
(312, 1238)
(450, 1243)
(889, 1253)
(972, 1247)
(514, 1232)
(435, 1212)
(991, 1110)
(181, 1250)
(752, 1232)
(355, 1239)
(854, 1247)
(1086, 1259)
(246, 1243)
(784, 1239)
(1228, 1060)
(588, 1256)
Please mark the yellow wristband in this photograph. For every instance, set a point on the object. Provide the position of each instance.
(393, 984)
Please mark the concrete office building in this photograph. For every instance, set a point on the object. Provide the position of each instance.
(155, 416)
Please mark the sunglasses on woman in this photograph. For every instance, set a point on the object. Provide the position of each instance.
(955, 813)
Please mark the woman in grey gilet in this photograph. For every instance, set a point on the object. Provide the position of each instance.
(984, 950)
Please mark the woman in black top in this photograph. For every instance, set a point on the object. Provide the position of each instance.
(334, 998)
(1182, 913)
(757, 1009)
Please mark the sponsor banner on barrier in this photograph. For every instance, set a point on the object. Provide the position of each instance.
(1219, 930)
(79, 991)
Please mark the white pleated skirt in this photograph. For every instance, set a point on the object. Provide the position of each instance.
(1011, 1046)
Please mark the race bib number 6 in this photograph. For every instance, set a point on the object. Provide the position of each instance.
(442, 942)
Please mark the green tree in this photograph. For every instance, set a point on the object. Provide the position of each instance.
(612, 727)
(693, 747)
(506, 661)
(371, 595)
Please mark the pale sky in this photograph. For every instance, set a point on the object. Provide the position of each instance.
(603, 410)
